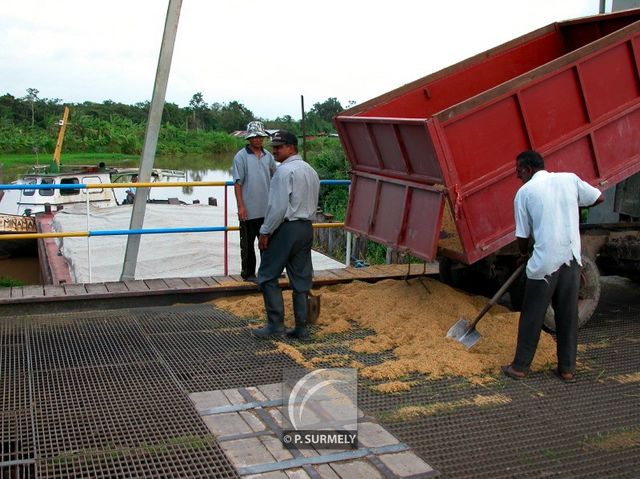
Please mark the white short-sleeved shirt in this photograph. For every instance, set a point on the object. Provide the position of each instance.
(546, 209)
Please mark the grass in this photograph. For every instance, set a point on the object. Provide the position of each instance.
(618, 439)
(9, 282)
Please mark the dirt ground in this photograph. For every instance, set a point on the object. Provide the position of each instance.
(411, 320)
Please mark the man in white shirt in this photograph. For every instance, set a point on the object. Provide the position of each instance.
(286, 236)
(547, 212)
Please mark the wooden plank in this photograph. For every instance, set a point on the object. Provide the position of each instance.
(176, 283)
(32, 291)
(116, 287)
(16, 291)
(324, 273)
(378, 270)
(96, 288)
(75, 289)
(54, 290)
(237, 278)
(358, 272)
(343, 274)
(210, 281)
(195, 283)
(225, 281)
(155, 284)
(5, 293)
(136, 285)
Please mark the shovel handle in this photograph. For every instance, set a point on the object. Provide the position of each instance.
(498, 295)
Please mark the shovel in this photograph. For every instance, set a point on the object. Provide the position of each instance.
(466, 333)
(313, 305)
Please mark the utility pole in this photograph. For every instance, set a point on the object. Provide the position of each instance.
(151, 138)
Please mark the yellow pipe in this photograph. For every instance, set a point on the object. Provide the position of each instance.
(82, 234)
(328, 225)
(70, 234)
(155, 184)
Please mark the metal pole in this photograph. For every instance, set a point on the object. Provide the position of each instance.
(602, 6)
(86, 194)
(304, 130)
(226, 234)
(151, 137)
(347, 260)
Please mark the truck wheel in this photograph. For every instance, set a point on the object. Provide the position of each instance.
(588, 296)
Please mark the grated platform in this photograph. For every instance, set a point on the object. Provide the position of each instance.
(105, 394)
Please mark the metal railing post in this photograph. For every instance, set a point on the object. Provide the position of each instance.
(86, 194)
(226, 224)
(347, 260)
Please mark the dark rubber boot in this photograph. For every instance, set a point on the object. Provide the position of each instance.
(300, 312)
(274, 306)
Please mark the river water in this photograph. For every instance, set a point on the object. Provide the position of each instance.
(197, 168)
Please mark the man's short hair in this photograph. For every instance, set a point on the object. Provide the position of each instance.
(532, 159)
(284, 137)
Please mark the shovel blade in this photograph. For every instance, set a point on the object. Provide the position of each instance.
(313, 306)
(461, 333)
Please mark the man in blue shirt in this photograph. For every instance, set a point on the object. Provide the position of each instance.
(252, 170)
(286, 237)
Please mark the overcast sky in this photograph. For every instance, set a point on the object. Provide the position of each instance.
(264, 54)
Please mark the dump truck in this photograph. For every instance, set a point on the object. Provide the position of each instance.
(433, 162)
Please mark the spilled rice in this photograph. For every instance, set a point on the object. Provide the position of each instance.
(408, 321)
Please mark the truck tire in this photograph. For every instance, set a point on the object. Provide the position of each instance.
(588, 296)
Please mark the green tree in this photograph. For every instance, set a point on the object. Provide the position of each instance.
(197, 106)
(319, 120)
(233, 116)
(327, 109)
(32, 96)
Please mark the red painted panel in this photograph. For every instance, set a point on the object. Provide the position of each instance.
(420, 151)
(361, 199)
(387, 142)
(577, 157)
(388, 217)
(361, 144)
(484, 141)
(489, 211)
(423, 223)
(487, 72)
(613, 72)
(553, 107)
(618, 143)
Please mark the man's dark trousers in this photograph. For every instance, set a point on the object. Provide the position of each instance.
(290, 247)
(561, 290)
(249, 231)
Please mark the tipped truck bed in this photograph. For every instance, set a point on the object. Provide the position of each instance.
(433, 162)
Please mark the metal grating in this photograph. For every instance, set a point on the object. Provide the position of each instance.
(103, 394)
(17, 446)
(208, 349)
(549, 429)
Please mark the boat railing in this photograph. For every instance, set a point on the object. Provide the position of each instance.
(144, 231)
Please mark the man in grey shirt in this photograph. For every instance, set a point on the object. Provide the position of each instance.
(253, 168)
(286, 237)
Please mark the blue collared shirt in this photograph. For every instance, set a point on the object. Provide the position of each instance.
(293, 194)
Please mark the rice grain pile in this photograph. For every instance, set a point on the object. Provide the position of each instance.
(411, 320)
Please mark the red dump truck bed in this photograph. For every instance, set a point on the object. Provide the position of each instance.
(433, 162)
